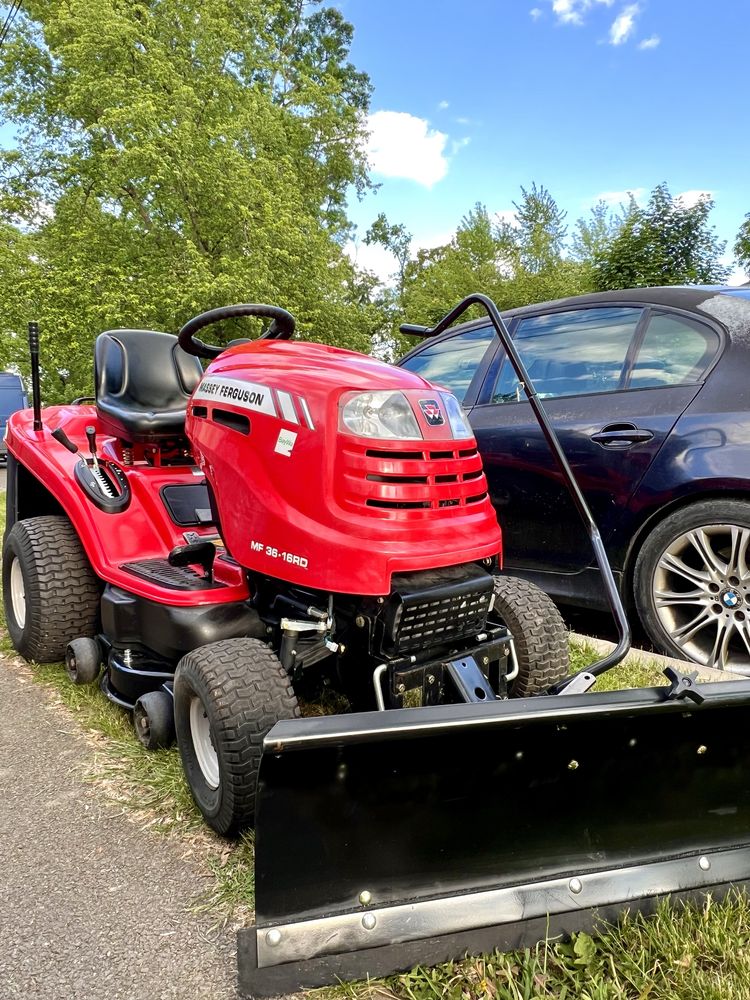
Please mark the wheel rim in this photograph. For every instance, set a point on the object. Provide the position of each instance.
(17, 593)
(141, 725)
(203, 744)
(701, 592)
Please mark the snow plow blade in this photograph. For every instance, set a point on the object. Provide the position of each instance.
(390, 839)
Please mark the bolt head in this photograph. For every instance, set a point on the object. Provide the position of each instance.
(702, 749)
(430, 678)
(369, 921)
(359, 621)
(573, 765)
(401, 688)
(273, 937)
(575, 885)
(704, 864)
(365, 897)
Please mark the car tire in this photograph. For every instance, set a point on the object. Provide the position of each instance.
(691, 584)
(50, 593)
(227, 696)
(540, 637)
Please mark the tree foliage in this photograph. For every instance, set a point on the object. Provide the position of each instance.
(742, 245)
(665, 243)
(174, 155)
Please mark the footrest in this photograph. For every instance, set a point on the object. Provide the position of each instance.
(160, 572)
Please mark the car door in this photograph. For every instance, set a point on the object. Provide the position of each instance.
(614, 379)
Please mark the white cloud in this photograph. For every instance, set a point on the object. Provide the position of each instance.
(457, 144)
(443, 105)
(535, 13)
(573, 11)
(373, 258)
(402, 145)
(507, 215)
(382, 263)
(690, 198)
(650, 43)
(738, 277)
(619, 197)
(623, 25)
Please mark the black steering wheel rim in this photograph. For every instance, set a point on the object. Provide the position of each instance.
(282, 327)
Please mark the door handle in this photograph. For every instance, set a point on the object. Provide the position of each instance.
(621, 436)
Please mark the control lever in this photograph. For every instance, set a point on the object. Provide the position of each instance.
(91, 435)
(60, 436)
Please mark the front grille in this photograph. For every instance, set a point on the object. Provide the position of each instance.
(434, 607)
(416, 483)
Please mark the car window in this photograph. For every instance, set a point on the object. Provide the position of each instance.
(452, 363)
(675, 350)
(570, 353)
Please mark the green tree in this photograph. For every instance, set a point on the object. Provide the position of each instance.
(742, 245)
(665, 243)
(174, 155)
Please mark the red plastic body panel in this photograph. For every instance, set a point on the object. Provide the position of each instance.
(143, 531)
(300, 500)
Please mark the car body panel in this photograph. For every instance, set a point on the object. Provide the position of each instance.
(700, 446)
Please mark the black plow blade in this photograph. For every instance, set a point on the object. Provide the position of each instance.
(414, 836)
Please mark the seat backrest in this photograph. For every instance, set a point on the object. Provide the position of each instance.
(143, 383)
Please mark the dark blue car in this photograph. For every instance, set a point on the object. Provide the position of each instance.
(12, 398)
(649, 390)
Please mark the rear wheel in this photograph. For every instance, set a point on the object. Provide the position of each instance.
(50, 593)
(539, 635)
(227, 696)
(692, 584)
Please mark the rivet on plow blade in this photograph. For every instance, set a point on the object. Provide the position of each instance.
(645, 823)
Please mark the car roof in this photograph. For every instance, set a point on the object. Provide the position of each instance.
(729, 305)
(677, 296)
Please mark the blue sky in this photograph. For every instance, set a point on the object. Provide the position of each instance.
(588, 97)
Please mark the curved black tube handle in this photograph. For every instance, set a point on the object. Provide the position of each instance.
(553, 442)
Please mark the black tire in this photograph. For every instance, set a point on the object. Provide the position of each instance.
(240, 689)
(539, 635)
(153, 719)
(711, 515)
(60, 592)
(83, 660)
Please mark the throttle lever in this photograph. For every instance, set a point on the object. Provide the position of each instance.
(59, 435)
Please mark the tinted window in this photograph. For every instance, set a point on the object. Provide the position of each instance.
(571, 353)
(675, 350)
(453, 362)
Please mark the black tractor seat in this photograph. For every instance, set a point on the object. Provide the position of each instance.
(143, 383)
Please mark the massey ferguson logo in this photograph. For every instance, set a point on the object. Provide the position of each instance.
(432, 412)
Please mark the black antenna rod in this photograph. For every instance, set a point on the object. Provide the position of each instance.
(35, 391)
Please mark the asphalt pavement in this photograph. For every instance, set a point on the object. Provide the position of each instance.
(92, 907)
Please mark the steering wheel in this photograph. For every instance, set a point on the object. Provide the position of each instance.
(281, 328)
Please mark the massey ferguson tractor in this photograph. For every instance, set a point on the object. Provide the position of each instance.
(221, 548)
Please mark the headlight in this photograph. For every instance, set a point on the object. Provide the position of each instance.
(456, 417)
(380, 415)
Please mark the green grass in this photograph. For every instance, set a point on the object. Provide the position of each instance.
(681, 953)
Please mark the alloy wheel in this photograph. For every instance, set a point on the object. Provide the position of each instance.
(701, 592)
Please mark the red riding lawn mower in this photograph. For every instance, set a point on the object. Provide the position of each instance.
(299, 519)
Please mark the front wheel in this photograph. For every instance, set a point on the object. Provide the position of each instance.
(539, 635)
(227, 696)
